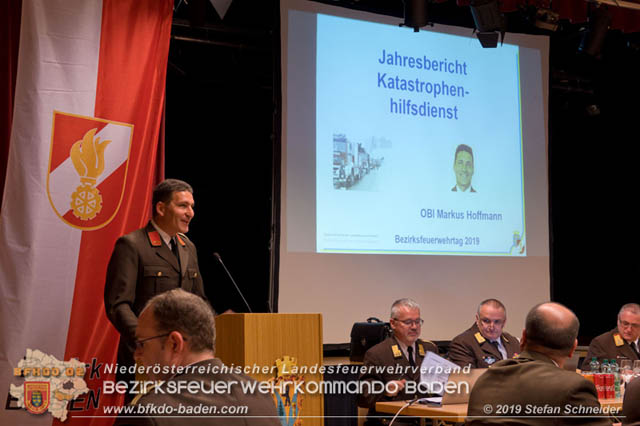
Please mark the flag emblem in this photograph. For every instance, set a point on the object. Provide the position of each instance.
(36, 397)
(88, 163)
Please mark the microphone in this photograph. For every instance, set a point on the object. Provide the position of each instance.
(217, 256)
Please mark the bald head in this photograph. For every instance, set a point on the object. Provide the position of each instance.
(551, 327)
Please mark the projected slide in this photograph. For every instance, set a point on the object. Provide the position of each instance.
(418, 143)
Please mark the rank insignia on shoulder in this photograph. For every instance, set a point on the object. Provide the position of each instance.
(618, 340)
(489, 360)
(420, 349)
(154, 238)
(396, 351)
(479, 337)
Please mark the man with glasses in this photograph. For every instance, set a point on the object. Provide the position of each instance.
(175, 337)
(404, 351)
(621, 342)
(485, 343)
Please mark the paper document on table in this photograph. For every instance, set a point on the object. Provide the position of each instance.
(435, 371)
(434, 400)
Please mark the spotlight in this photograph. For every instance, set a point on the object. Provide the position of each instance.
(489, 21)
(593, 37)
(415, 14)
(547, 19)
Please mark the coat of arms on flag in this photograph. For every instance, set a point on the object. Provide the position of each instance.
(88, 163)
(36, 397)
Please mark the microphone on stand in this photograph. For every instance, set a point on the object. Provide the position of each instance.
(217, 256)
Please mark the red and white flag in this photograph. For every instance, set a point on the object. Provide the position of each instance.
(82, 164)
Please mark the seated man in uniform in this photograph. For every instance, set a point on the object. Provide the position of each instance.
(631, 406)
(485, 342)
(403, 348)
(621, 342)
(176, 336)
(515, 391)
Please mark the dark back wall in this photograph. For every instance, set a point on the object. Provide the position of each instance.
(221, 135)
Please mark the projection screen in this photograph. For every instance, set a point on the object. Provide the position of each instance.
(413, 165)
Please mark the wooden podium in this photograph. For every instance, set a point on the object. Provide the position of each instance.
(265, 341)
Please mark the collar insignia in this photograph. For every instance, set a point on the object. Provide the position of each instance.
(396, 351)
(154, 238)
(618, 340)
(421, 349)
(479, 338)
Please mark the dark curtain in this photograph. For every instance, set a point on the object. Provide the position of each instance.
(576, 11)
(10, 11)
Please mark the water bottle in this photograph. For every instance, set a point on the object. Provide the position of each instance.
(613, 365)
(605, 369)
(594, 365)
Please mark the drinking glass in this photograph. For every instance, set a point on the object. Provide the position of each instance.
(626, 370)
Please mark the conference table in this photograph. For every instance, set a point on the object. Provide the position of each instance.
(453, 413)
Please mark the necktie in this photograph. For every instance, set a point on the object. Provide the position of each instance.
(410, 353)
(174, 249)
(497, 345)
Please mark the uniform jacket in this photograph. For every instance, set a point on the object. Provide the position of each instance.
(385, 354)
(609, 345)
(631, 404)
(532, 380)
(142, 266)
(470, 348)
(260, 406)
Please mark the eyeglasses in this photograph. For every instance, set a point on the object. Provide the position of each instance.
(140, 343)
(409, 322)
(626, 324)
(487, 321)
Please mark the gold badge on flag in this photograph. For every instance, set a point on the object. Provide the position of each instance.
(87, 156)
(88, 164)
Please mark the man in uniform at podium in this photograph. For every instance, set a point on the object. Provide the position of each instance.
(485, 342)
(151, 260)
(621, 342)
(404, 349)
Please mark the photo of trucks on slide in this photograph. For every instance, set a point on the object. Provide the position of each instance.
(352, 162)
